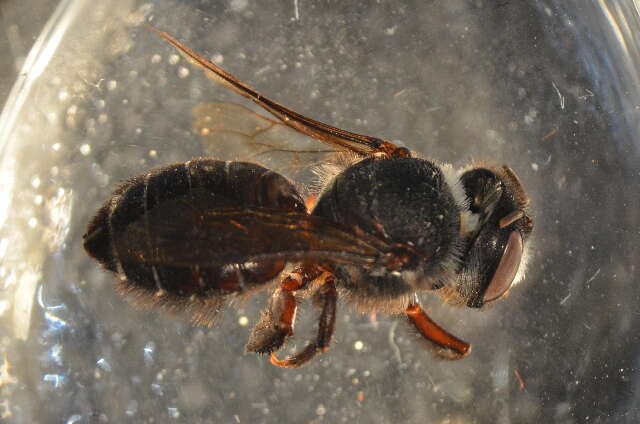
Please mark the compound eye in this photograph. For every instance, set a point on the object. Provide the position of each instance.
(507, 268)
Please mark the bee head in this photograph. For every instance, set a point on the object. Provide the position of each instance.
(494, 246)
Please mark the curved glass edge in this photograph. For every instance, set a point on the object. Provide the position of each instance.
(36, 61)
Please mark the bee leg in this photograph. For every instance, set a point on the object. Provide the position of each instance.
(445, 344)
(276, 323)
(327, 296)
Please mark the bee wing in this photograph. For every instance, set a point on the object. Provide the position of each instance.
(187, 237)
(233, 132)
(344, 140)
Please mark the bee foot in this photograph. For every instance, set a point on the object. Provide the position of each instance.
(266, 340)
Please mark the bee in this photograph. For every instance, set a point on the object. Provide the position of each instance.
(190, 237)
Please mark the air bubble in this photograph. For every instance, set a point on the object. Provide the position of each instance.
(217, 58)
(183, 72)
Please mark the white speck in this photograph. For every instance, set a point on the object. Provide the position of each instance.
(52, 117)
(238, 5)
(132, 408)
(33, 222)
(531, 116)
(321, 410)
(112, 85)
(534, 166)
(63, 96)
(173, 59)
(157, 389)
(56, 354)
(85, 149)
(358, 345)
(391, 30)
(35, 182)
(56, 147)
(54, 379)
(104, 365)
(243, 321)
(183, 72)
(153, 154)
(38, 200)
(148, 353)
(4, 305)
(156, 58)
(174, 412)
(75, 418)
(100, 104)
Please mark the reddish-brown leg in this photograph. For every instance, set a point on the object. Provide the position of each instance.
(327, 296)
(446, 345)
(276, 323)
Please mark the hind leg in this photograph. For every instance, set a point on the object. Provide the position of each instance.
(278, 318)
(327, 296)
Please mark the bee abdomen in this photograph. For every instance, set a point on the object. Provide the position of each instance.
(201, 184)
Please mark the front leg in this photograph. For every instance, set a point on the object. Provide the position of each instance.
(277, 320)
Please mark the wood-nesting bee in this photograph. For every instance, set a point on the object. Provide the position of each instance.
(189, 237)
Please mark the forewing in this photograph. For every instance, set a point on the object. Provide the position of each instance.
(186, 237)
(345, 140)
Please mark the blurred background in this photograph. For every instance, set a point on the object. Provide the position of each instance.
(92, 97)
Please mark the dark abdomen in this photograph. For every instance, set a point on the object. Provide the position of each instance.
(201, 185)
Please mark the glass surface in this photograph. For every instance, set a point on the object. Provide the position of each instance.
(549, 88)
